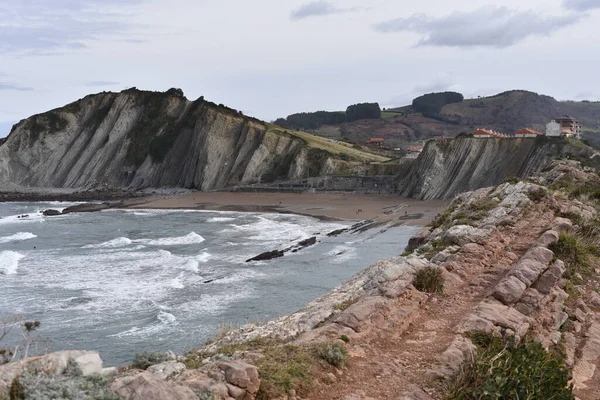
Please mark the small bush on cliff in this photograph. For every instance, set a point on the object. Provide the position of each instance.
(507, 371)
(284, 368)
(429, 280)
(575, 253)
(72, 385)
(334, 353)
(145, 360)
(537, 195)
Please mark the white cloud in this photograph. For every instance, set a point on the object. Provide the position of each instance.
(488, 26)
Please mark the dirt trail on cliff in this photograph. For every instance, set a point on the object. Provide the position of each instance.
(383, 366)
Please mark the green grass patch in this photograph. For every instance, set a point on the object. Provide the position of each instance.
(145, 360)
(507, 371)
(334, 353)
(285, 368)
(576, 253)
(444, 219)
(429, 280)
(537, 195)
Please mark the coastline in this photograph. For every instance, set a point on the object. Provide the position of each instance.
(324, 206)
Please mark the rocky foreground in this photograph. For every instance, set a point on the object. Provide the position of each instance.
(517, 262)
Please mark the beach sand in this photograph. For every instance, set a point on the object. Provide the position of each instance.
(327, 206)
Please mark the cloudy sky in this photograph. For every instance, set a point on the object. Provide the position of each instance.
(270, 58)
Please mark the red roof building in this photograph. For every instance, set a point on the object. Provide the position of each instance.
(527, 133)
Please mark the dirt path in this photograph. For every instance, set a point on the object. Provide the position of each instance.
(382, 366)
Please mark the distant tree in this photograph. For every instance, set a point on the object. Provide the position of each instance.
(312, 120)
(432, 103)
(363, 111)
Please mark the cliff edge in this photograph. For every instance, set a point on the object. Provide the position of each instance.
(139, 139)
(448, 167)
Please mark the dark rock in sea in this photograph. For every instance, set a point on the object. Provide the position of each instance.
(23, 216)
(336, 232)
(269, 255)
(89, 207)
(308, 242)
(51, 213)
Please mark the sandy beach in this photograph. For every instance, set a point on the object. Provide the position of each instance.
(327, 206)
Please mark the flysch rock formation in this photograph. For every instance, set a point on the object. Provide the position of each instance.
(139, 139)
(500, 277)
(448, 167)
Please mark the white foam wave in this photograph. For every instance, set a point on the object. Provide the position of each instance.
(220, 219)
(9, 262)
(191, 238)
(17, 237)
(177, 283)
(341, 254)
(118, 242)
(166, 318)
(22, 218)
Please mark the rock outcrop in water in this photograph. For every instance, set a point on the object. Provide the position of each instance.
(139, 139)
(448, 167)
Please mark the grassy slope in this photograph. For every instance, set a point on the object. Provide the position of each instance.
(332, 146)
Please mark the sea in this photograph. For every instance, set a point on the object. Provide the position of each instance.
(123, 282)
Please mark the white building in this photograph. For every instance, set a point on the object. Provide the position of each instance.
(553, 129)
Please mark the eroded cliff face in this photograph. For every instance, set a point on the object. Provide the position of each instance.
(449, 167)
(137, 139)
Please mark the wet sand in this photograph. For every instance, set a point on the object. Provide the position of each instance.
(327, 206)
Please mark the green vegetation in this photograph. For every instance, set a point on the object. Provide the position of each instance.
(145, 360)
(444, 219)
(429, 280)
(311, 120)
(315, 120)
(507, 371)
(334, 353)
(432, 104)
(537, 195)
(363, 111)
(283, 369)
(331, 146)
(71, 385)
(576, 253)
(345, 339)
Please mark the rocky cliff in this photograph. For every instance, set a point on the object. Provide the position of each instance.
(448, 167)
(139, 139)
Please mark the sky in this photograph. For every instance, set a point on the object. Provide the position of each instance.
(271, 58)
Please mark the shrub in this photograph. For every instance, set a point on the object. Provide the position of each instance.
(284, 368)
(512, 180)
(575, 253)
(334, 353)
(507, 371)
(72, 385)
(345, 339)
(429, 280)
(145, 360)
(537, 195)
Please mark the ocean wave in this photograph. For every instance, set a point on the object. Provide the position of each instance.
(22, 218)
(17, 237)
(118, 242)
(220, 219)
(9, 262)
(191, 238)
(341, 254)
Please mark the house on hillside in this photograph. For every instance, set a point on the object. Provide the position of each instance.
(553, 129)
(527, 133)
(487, 133)
(413, 151)
(376, 142)
(569, 126)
